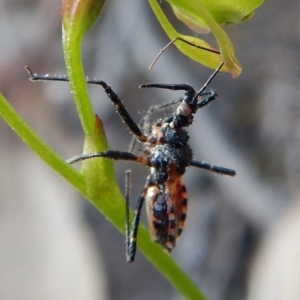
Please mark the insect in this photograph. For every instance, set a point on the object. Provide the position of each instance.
(166, 152)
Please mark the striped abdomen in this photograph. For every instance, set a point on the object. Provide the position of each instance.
(166, 211)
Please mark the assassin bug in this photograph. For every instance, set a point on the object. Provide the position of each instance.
(167, 154)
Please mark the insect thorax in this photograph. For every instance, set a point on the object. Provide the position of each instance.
(170, 152)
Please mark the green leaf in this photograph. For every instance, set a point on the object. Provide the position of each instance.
(198, 11)
(223, 12)
(202, 56)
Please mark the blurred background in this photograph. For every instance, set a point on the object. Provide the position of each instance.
(242, 235)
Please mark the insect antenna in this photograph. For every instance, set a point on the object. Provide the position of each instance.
(211, 77)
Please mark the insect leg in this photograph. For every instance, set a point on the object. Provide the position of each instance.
(130, 255)
(215, 169)
(111, 154)
(36, 77)
(110, 93)
(167, 86)
(175, 87)
(134, 128)
(127, 222)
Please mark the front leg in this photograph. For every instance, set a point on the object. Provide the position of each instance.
(110, 93)
(134, 128)
(112, 154)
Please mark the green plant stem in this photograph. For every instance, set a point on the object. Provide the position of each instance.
(72, 55)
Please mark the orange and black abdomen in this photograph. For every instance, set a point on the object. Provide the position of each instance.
(166, 211)
(178, 198)
(157, 213)
(180, 204)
